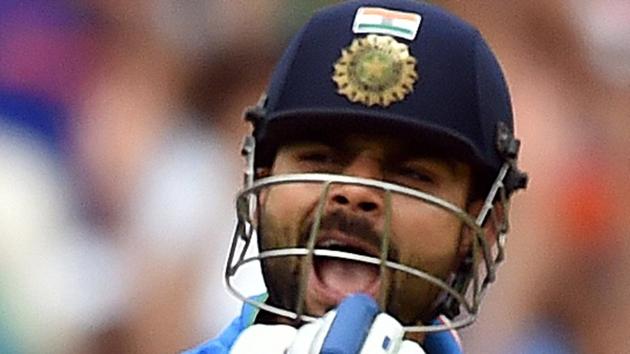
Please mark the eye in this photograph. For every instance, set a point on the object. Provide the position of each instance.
(416, 174)
(320, 159)
(412, 176)
(316, 157)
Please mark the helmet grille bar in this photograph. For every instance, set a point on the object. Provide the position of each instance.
(384, 289)
(301, 301)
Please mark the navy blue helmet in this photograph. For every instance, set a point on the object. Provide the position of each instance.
(458, 100)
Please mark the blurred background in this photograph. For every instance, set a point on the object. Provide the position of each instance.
(120, 130)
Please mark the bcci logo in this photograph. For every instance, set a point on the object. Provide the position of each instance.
(375, 70)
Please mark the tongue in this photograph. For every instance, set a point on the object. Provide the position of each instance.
(346, 276)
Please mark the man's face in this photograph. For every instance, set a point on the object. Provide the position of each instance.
(422, 236)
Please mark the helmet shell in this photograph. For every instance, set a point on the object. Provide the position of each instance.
(455, 106)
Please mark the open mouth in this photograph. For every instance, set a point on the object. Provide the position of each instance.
(336, 278)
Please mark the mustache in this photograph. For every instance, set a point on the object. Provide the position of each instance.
(353, 226)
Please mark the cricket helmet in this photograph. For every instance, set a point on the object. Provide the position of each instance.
(398, 67)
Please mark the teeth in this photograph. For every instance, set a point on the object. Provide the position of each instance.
(336, 245)
(331, 243)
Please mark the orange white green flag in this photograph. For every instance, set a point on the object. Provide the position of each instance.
(384, 21)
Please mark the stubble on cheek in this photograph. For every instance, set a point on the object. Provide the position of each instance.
(428, 243)
(412, 299)
(279, 227)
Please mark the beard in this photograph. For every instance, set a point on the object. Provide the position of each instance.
(282, 274)
(409, 299)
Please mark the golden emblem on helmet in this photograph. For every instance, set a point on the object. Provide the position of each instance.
(375, 70)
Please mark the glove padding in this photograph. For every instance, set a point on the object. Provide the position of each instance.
(355, 327)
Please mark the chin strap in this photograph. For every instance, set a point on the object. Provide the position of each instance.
(450, 307)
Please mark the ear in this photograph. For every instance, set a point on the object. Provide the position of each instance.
(262, 172)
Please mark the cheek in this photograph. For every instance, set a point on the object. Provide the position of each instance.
(283, 210)
(427, 237)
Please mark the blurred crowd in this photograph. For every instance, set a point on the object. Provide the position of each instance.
(120, 133)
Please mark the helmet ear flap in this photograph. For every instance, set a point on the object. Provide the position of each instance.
(492, 217)
(515, 180)
(256, 116)
(258, 112)
(508, 147)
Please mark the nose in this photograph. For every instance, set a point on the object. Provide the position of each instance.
(358, 199)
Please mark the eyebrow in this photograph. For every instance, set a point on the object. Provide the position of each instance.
(451, 165)
(402, 152)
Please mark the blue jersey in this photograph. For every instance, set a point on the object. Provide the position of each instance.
(223, 343)
(445, 342)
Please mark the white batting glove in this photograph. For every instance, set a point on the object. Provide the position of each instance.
(353, 328)
(264, 339)
(386, 337)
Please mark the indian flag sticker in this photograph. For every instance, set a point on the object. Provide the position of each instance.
(384, 21)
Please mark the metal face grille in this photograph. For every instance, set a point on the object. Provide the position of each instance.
(466, 292)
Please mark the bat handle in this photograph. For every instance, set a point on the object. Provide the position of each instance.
(351, 325)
